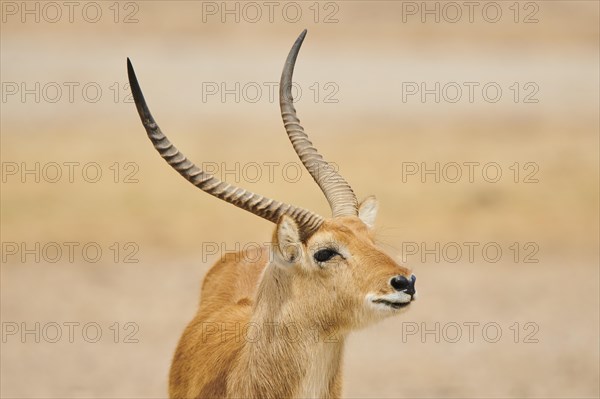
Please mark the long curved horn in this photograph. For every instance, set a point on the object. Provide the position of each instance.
(338, 192)
(308, 222)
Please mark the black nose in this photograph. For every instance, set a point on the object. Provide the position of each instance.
(401, 283)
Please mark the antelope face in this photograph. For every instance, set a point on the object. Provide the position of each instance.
(340, 271)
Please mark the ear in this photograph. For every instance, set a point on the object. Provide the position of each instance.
(367, 211)
(288, 239)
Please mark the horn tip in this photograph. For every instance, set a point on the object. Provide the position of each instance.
(302, 36)
(130, 72)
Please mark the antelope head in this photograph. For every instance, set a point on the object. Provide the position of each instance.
(333, 264)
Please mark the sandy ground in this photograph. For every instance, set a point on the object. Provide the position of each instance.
(157, 234)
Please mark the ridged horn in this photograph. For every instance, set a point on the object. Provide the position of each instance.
(308, 222)
(338, 192)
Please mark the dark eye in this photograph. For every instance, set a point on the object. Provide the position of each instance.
(323, 255)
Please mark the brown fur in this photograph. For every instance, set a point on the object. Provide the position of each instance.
(275, 327)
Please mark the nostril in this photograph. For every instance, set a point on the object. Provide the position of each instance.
(411, 288)
(400, 283)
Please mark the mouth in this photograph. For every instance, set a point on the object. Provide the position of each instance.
(395, 305)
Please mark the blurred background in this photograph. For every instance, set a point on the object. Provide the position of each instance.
(475, 125)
